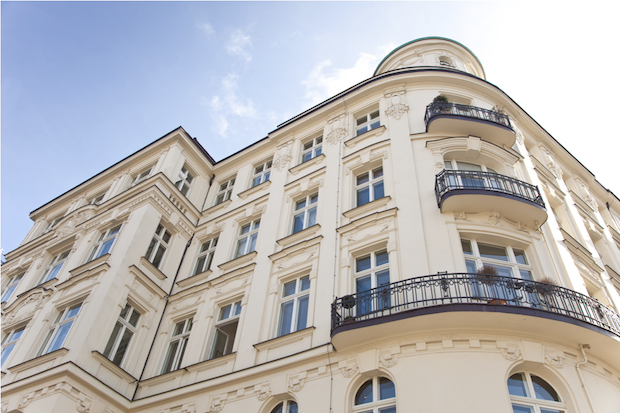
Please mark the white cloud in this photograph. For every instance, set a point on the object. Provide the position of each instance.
(230, 103)
(206, 27)
(238, 44)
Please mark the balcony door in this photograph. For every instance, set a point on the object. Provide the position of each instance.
(477, 179)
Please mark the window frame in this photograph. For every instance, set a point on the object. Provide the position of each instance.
(140, 176)
(179, 352)
(531, 401)
(369, 303)
(295, 297)
(9, 342)
(124, 319)
(63, 318)
(11, 286)
(377, 404)
(225, 191)
(52, 223)
(247, 247)
(316, 144)
(225, 319)
(286, 407)
(371, 184)
(263, 175)
(368, 123)
(98, 199)
(305, 211)
(158, 242)
(184, 180)
(209, 252)
(57, 262)
(516, 268)
(104, 237)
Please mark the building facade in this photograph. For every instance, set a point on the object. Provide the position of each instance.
(416, 243)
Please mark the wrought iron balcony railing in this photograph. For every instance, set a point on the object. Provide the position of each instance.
(456, 109)
(449, 180)
(468, 288)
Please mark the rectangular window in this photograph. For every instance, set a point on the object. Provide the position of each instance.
(8, 343)
(60, 329)
(305, 213)
(225, 330)
(246, 241)
(157, 247)
(54, 267)
(140, 177)
(261, 173)
(97, 199)
(205, 256)
(369, 186)
(123, 332)
(176, 348)
(184, 180)
(372, 271)
(10, 287)
(225, 191)
(312, 149)
(294, 306)
(104, 243)
(53, 222)
(367, 122)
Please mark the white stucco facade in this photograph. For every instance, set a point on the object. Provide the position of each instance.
(327, 258)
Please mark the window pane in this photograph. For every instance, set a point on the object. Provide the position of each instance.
(72, 311)
(105, 248)
(122, 347)
(311, 216)
(241, 247)
(364, 394)
(6, 352)
(278, 408)
(543, 410)
(471, 266)
(305, 283)
(382, 258)
(502, 271)
(124, 311)
(252, 245)
(266, 176)
(166, 237)
(59, 337)
(363, 284)
(158, 256)
(54, 272)
(286, 318)
(306, 156)
(386, 389)
(172, 350)
(300, 204)
(150, 249)
(256, 181)
(362, 263)
(220, 344)
(363, 196)
(302, 313)
(225, 313)
(110, 345)
(237, 308)
(374, 114)
(543, 390)
(318, 151)
(314, 198)
(289, 288)
(522, 409)
(133, 320)
(526, 275)
(491, 251)
(361, 120)
(383, 278)
(292, 407)
(298, 223)
(378, 190)
(520, 256)
(391, 409)
(245, 229)
(256, 224)
(362, 179)
(516, 385)
(467, 247)
(200, 264)
(375, 125)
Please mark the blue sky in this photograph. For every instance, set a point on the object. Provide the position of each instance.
(85, 84)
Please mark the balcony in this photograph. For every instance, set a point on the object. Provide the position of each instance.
(475, 192)
(464, 120)
(445, 301)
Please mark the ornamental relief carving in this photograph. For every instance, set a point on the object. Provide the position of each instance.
(348, 369)
(231, 285)
(218, 402)
(375, 228)
(336, 129)
(388, 360)
(511, 353)
(553, 359)
(28, 307)
(262, 391)
(397, 104)
(284, 155)
(296, 381)
(297, 258)
(188, 301)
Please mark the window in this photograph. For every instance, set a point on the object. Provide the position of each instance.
(176, 348)
(225, 330)
(54, 267)
(367, 122)
(225, 191)
(140, 177)
(369, 186)
(471, 180)
(205, 256)
(532, 394)
(287, 406)
(53, 222)
(305, 213)
(261, 173)
(312, 149)
(184, 181)
(157, 247)
(104, 243)
(8, 343)
(376, 395)
(294, 306)
(372, 271)
(123, 332)
(97, 199)
(60, 329)
(10, 287)
(508, 261)
(246, 241)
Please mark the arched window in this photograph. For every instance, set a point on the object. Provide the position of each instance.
(376, 395)
(532, 394)
(287, 406)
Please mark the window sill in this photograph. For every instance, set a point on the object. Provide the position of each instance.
(215, 208)
(154, 270)
(202, 276)
(299, 236)
(90, 272)
(285, 339)
(113, 367)
(317, 160)
(162, 378)
(212, 363)
(252, 191)
(44, 286)
(89, 265)
(370, 134)
(37, 361)
(238, 262)
(367, 208)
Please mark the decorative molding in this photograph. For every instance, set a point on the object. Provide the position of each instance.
(14, 315)
(317, 160)
(495, 218)
(388, 360)
(336, 129)
(585, 194)
(253, 190)
(296, 381)
(398, 107)
(284, 156)
(217, 403)
(511, 353)
(348, 368)
(553, 359)
(460, 215)
(262, 391)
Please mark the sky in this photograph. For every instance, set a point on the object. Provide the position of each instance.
(85, 84)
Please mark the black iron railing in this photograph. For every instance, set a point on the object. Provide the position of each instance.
(468, 288)
(456, 109)
(449, 180)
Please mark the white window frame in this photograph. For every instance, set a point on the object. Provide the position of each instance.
(161, 239)
(205, 256)
(228, 315)
(246, 241)
(11, 286)
(365, 303)
(295, 297)
(55, 267)
(126, 324)
(311, 149)
(53, 222)
(9, 341)
(285, 407)
(184, 181)
(105, 243)
(368, 122)
(515, 266)
(262, 172)
(305, 212)
(531, 401)
(371, 184)
(63, 323)
(225, 191)
(98, 199)
(175, 355)
(139, 177)
(377, 404)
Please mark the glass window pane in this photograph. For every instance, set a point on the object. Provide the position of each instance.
(300, 204)
(314, 198)
(467, 247)
(105, 248)
(381, 258)
(308, 145)
(526, 275)
(363, 178)
(266, 176)
(492, 251)
(363, 284)
(178, 328)
(124, 311)
(135, 316)
(374, 114)
(298, 223)
(6, 352)
(122, 347)
(166, 237)
(305, 283)
(516, 385)
(237, 308)
(318, 151)
(543, 410)
(256, 224)
(252, 245)
(306, 157)
(378, 190)
(311, 216)
(383, 278)
(286, 318)
(54, 272)
(390, 409)
(172, 350)
(543, 390)
(502, 271)
(516, 408)
(225, 313)
(386, 389)
(364, 394)
(302, 313)
(292, 407)
(377, 173)
(59, 337)
(278, 408)
(200, 264)
(289, 288)
(256, 181)
(258, 169)
(363, 196)
(471, 266)
(375, 125)
(110, 345)
(245, 229)
(241, 247)
(72, 311)
(362, 263)
(520, 256)
(361, 121)
(158, 256)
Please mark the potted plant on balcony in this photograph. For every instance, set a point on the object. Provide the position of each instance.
(545, 288)
(487, 274)
(442, 104)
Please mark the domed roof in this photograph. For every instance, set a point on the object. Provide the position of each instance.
(413, 53)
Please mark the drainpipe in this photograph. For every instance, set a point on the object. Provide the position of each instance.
(208, 189)
(583, 384)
